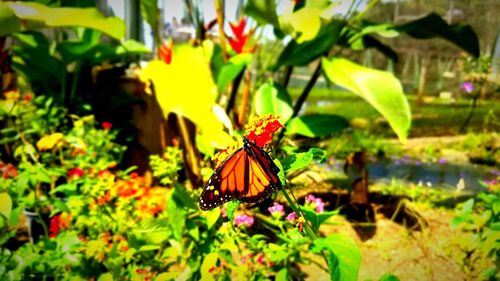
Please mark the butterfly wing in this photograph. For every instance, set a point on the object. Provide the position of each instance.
(249, 175)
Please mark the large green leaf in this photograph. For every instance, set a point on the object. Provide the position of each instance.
(262, 11)
(346, 251)
(36, 15)
(273, 98)
(316, 219)
(433, 25)
(301, 54)
(8, 20)
(303, 25)
(379, 88)
(317, 125)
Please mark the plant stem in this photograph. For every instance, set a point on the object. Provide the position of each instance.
(471, 111)
(219, 8)
(244, 100)
(296, 208)
(302, 98)
(288, 75)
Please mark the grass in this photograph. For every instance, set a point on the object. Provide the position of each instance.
(436, 117)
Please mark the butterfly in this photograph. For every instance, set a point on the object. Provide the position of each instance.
(248, 175)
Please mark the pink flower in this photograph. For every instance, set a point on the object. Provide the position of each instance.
(316, 203)
(291, 217)
(276, 210)
(107, 125)
(260, 259)
(75, 173)
(243, 220)
(467, 87)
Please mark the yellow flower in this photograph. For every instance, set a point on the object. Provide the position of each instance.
(12, 95)
(49, 142)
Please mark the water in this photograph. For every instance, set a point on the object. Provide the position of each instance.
(432, 174)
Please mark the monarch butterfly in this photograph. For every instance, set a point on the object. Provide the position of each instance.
(249, 175)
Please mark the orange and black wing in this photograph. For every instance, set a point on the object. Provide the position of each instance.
(249, 175)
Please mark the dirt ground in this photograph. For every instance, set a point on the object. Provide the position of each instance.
(431, 253)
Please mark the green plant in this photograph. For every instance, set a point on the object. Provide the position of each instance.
(480, 220)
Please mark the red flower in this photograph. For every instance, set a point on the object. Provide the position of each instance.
(8, 171)
(107, 125)
(58, 222)
(240, 39)
(75, 173)
(165, 51)
(27, 98)
(260, 129)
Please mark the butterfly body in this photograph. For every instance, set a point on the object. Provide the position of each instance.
(248, 175)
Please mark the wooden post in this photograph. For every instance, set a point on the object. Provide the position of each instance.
(421, 82)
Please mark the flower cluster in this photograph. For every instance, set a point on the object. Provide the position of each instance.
(8, 170)
(261, 129)
(59, 222)
(277, 210)
(244, 220)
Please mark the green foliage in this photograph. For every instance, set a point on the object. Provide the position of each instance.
(480, 220)
(272, 98)
(166, 167)
(35, 16)
(346, 252)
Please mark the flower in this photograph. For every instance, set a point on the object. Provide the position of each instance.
(58, 222)
(224, 153)
(441, 161)
(260, 129)
(291, 217)
(75, 173)
(467, 87)
(8, 171)
(107, 125)
(240, 39)
(244, 220)
(12, 95)
(317, 203)
(260, 259)
(50, 141)
(276, 210)
(165, 51)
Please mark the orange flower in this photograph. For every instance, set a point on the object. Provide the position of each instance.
(166, 50)
(260, 129)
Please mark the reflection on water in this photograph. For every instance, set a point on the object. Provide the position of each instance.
(439, 174)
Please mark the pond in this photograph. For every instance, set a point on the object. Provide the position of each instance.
(439, 174)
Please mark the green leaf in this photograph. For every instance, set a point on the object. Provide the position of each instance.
(316, 125)
(209, 261)
(177, 217)
(346, 251)
(282, 275)
(167, 276)
(147, 248)
(433, 25)
(36, 15)
(333, 266)
(302, 160)
(231, 207)
(193, 230)
(105, 277)
(212, 217)
(380, 89)
(273, 98)
(262, 11)
(317, 218)
(149, 11)
(183, 197)
(468, 206)
(388, 277)
(8, 20)
(296, 54)
(5, 204)
(303, 25)
(231, 70)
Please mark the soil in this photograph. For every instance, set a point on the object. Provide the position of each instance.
(429, 252)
